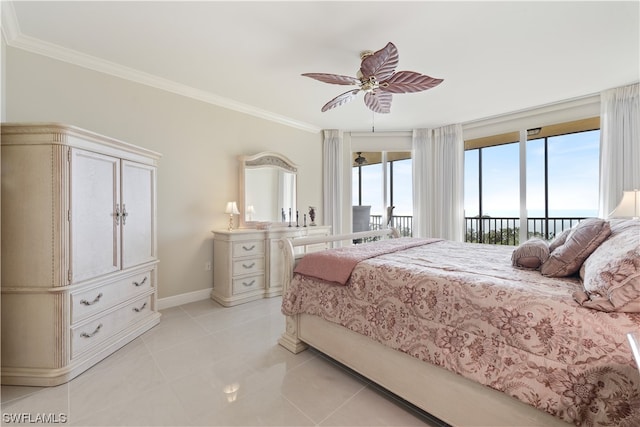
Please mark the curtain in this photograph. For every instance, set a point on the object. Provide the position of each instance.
(421, 142)
(438, 183)
(332, 180)
(619, 145)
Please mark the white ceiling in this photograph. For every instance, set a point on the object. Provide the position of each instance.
(494, 57)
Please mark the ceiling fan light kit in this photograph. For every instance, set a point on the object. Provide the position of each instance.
(378, 79)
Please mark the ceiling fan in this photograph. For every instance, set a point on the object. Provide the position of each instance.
(378, 79)
(360, 160)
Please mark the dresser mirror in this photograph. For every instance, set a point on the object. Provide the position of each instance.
(267, 190)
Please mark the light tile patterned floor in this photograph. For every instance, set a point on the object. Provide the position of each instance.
(206, 365)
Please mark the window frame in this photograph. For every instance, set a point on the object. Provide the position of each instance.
(522, 137)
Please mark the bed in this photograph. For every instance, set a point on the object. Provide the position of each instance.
(459, 331)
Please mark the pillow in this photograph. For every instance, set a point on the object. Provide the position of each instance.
(611, 275)
(559, 240)
(583, 239)
(530, 254)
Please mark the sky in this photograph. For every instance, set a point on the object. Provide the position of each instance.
(573, 179)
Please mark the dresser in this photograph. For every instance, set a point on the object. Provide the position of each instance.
(248, 264)
(79, 257)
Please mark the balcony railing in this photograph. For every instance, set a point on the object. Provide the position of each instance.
(492, 230)
(506, 230)
(401, 222)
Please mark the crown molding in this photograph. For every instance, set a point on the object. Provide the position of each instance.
(14, 38)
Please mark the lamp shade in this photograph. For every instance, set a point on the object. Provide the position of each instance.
(629, 206)
(232, 208)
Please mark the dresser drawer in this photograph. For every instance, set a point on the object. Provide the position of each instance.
(247, 284)
(85, 303)
(248, 248)
(248, 266)
(89, 334)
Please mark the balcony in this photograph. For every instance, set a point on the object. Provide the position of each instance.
(492, 230)
(506, 230)
(401, 222)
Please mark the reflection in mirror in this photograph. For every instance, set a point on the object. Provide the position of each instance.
(268, 187)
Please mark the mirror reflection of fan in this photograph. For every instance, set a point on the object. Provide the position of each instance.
(378, 79)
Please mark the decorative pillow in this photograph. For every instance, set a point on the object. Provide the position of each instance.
(559, 240)
(583, 239)
(530, 254)
(611, 275)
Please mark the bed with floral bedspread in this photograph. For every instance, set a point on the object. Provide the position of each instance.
(466, 308)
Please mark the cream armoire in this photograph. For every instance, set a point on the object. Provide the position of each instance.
(79, 257)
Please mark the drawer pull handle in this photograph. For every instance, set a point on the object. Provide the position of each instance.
(86, 335)
(252, 247)
(249, 266)
(249, 284)
(85, 302)
(140, 283)
(138, 310)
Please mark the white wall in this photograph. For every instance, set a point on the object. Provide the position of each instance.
(199, 142)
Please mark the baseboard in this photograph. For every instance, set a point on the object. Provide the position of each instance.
(185, 298)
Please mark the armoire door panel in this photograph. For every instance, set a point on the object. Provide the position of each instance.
(95, 192)
(138, 220)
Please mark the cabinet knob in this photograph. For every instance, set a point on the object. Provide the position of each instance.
(249, 284)
(249, 266)
(250, 248)
(124, 214)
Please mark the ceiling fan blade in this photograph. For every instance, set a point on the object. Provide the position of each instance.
(340, 100)
(333, 78)
(380, 102)
(409, 81)
(381, 64)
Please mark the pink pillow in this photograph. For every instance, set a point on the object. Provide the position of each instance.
(559, 240)
(530, 254)
(583, 239)
(611, 275)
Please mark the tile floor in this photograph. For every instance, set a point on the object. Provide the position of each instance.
(207, 365)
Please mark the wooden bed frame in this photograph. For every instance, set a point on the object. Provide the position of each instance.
(448, 396)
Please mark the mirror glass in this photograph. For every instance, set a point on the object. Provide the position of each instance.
(268, 184)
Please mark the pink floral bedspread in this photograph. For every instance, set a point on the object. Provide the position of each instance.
(464, 307)
(336, 265)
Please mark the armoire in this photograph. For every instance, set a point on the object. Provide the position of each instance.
(79, 252)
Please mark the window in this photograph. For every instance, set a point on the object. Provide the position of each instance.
(381, 180)
(562, 181)
(492, 200)
(562, 166)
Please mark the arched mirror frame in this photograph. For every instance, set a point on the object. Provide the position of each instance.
(272, 160)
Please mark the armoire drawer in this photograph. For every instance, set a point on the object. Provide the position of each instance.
(85, 303)
(248, 248)
(248, 266)
(96, 331)
(247, 284)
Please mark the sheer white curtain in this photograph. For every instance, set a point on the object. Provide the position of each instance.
(438, 183)
(332, 179)
(420, 146)
(619, 145)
